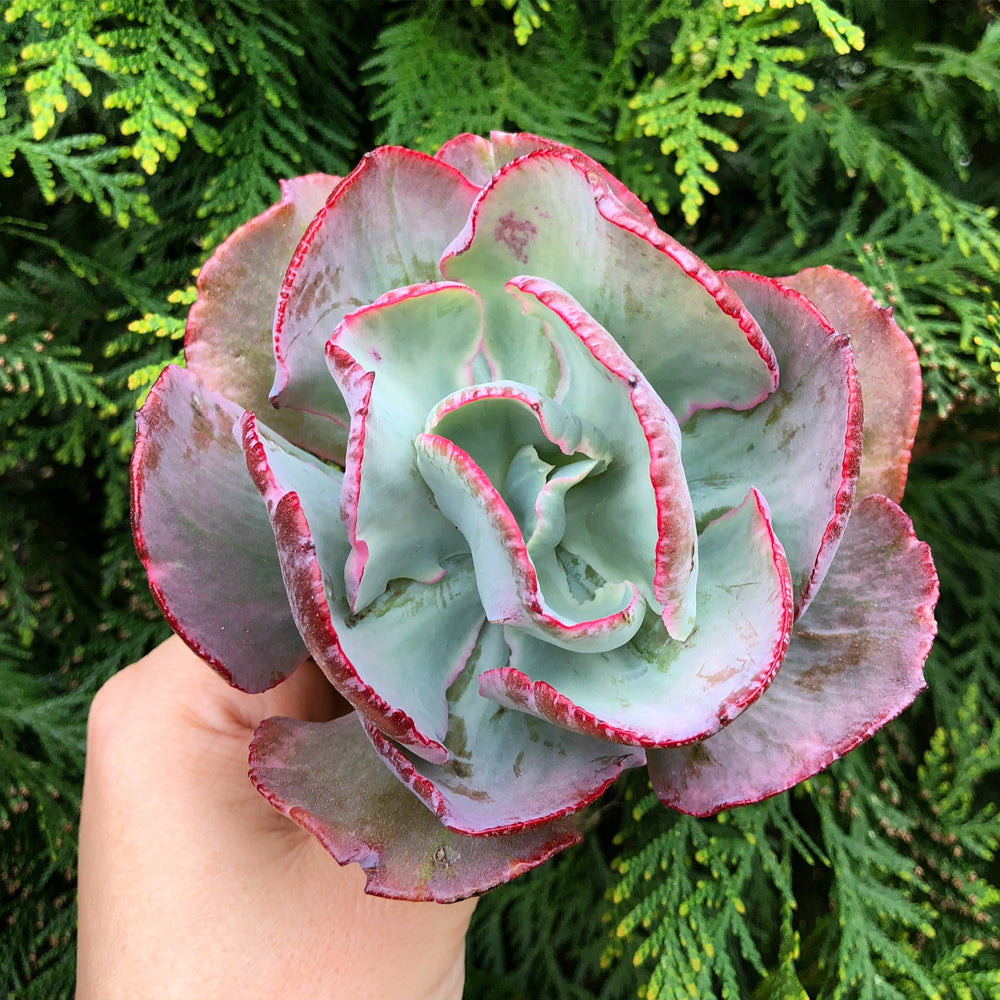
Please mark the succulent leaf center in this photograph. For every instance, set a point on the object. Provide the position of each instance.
(500, 458)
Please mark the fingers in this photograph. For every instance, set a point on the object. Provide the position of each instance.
(173, 679)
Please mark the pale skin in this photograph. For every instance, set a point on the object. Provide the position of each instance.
(192, 886)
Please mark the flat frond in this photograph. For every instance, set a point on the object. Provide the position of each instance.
(714, 44)
(691, 896)
(417, 61)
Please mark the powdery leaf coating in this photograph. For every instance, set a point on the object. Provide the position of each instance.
(506, 770)
(327, 777)
(659, 692)
(806, 465)
(371, 658)
(544, 497)
(888, 369)
(599, 381)
(190, 494)
(227, 342)
(479, 159)
(854, 663)
(385, 226)
(544, 214)
(508, 583)
(390, 383)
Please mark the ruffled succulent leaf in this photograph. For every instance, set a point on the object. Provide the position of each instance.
(855, 662)
(327, 778)
(806, 466)
(385, 226)
(204, 537)
(479, 159)
(888, 370)
(544, 214)
(412, 630)
(507, 770)
(509, 583)
(393, 361)
(635, 521)
(656, 691)
(228, 341)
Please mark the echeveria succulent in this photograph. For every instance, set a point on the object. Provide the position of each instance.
(543, 496)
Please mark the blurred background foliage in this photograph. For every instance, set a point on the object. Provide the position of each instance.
(136, 134)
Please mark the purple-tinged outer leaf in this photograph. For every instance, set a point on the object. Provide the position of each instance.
(204, 537)
(888, 369)
(507, 771)
(545, 214)
(393, 361)
(385, 226)
(645, 487)
(228, 342)
(327, 777)
(412, 631)
(806, 466)
(479, 159)
(855, 662)
(656, 691)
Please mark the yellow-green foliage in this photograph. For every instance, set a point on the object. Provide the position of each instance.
(713, 43)
(154, 60)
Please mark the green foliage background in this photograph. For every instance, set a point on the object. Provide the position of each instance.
(136, 134)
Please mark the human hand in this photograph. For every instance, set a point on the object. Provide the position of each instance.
(191, 885)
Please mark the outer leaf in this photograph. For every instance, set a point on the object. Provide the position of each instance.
(888, 369)
(204, 536)
(656, 691)
(806, 467)
(228, 341)
(393, 361)
(507, 770)
(327, 778)
(546, 214)
(855, 662)
(412, 631)
(385, 226)
(479, 159)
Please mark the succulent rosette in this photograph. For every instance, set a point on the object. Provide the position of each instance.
(543, 496)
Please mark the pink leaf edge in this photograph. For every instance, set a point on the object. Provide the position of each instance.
(328, 779)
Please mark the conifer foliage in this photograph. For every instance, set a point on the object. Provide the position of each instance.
(768, 135)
